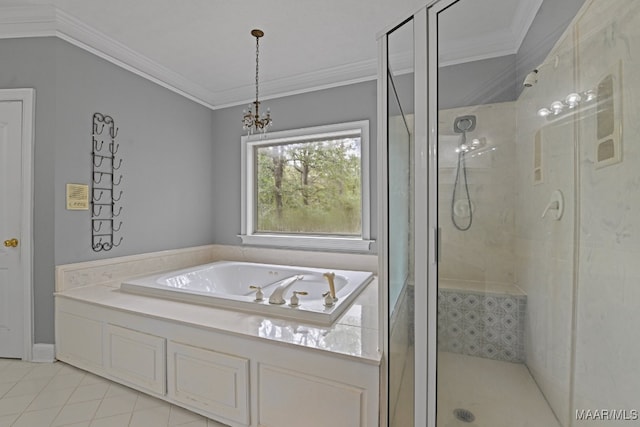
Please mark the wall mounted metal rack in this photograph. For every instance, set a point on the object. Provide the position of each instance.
(105, 179)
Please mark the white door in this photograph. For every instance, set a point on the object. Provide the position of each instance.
(11, 277)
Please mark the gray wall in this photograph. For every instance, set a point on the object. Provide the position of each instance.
(478, 82)
(553, 17)
(500, 79)
(336, 105)
(31, 63)
(166, 143)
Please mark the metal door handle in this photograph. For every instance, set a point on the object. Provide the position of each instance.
(11, 243)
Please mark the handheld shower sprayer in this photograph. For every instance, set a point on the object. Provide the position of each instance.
(462, 124)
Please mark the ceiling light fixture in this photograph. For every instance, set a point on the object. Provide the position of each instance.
(252, 121)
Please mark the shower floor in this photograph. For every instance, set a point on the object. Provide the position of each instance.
(499, 394)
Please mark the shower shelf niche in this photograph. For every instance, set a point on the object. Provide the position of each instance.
(105, 195)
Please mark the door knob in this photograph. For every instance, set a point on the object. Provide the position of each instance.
(11, 243)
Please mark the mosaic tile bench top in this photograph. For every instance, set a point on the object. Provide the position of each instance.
(482, 324)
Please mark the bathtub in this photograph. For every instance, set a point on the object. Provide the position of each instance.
(226, 284)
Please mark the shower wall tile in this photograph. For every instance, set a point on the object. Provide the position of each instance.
(607, 348)
(481, 324)
(604, 39)
(485, 252)
(544, 247)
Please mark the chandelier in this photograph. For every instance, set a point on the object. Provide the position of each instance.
(252, 120)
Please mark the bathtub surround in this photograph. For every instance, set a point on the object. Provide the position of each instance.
(101, 277)
(115, 270)
(158, 346)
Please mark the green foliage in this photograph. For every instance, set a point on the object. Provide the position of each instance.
(309, 187)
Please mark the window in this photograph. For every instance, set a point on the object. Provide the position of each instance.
(307, 188)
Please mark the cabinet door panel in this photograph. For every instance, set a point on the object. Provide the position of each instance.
(79, 340)
(137, 358)
(214, 382)
(288, 398)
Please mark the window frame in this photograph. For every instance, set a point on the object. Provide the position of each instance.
(249, 236)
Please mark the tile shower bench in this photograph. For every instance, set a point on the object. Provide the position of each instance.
(481, 319)
(237, 368)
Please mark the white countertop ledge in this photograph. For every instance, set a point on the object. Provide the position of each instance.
(354, 335)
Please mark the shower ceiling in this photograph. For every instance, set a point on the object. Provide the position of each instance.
(203, 48)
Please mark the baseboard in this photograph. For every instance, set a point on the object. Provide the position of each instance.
(43, 353)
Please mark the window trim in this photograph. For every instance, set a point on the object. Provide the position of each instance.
(304, 241)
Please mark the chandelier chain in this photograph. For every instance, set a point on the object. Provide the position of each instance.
(257, 62)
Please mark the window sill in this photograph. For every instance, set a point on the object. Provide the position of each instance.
(345, 244)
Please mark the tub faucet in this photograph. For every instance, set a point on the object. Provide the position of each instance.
(330, 276)
(277, 296)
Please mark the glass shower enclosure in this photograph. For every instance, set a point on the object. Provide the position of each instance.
(517, 157)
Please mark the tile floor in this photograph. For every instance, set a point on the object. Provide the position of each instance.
(59, 395)
(56, 394)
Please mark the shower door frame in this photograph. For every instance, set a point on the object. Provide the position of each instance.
(425, 233)
(427, 244)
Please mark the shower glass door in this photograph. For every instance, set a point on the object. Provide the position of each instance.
(490, 201)
(538, 201)
(399, 238)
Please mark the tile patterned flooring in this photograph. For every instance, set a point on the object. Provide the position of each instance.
(57, 395)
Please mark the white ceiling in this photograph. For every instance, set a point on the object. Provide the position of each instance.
(203, 48)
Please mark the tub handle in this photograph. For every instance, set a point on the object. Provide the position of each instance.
(295, 301)
(259, 294)
(328, 299)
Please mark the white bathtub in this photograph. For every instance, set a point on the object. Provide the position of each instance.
(226, 284)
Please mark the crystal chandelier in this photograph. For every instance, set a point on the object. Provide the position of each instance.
(252, 121)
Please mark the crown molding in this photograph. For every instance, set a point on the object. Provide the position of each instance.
(82, 35)
(492, 45)
(27, 21)
(306, 82)
(523, 19)
(49, 21)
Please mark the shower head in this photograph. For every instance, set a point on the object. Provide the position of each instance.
(464, 124)
(531, 79)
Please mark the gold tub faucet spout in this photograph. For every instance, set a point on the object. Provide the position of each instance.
(330, 276)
